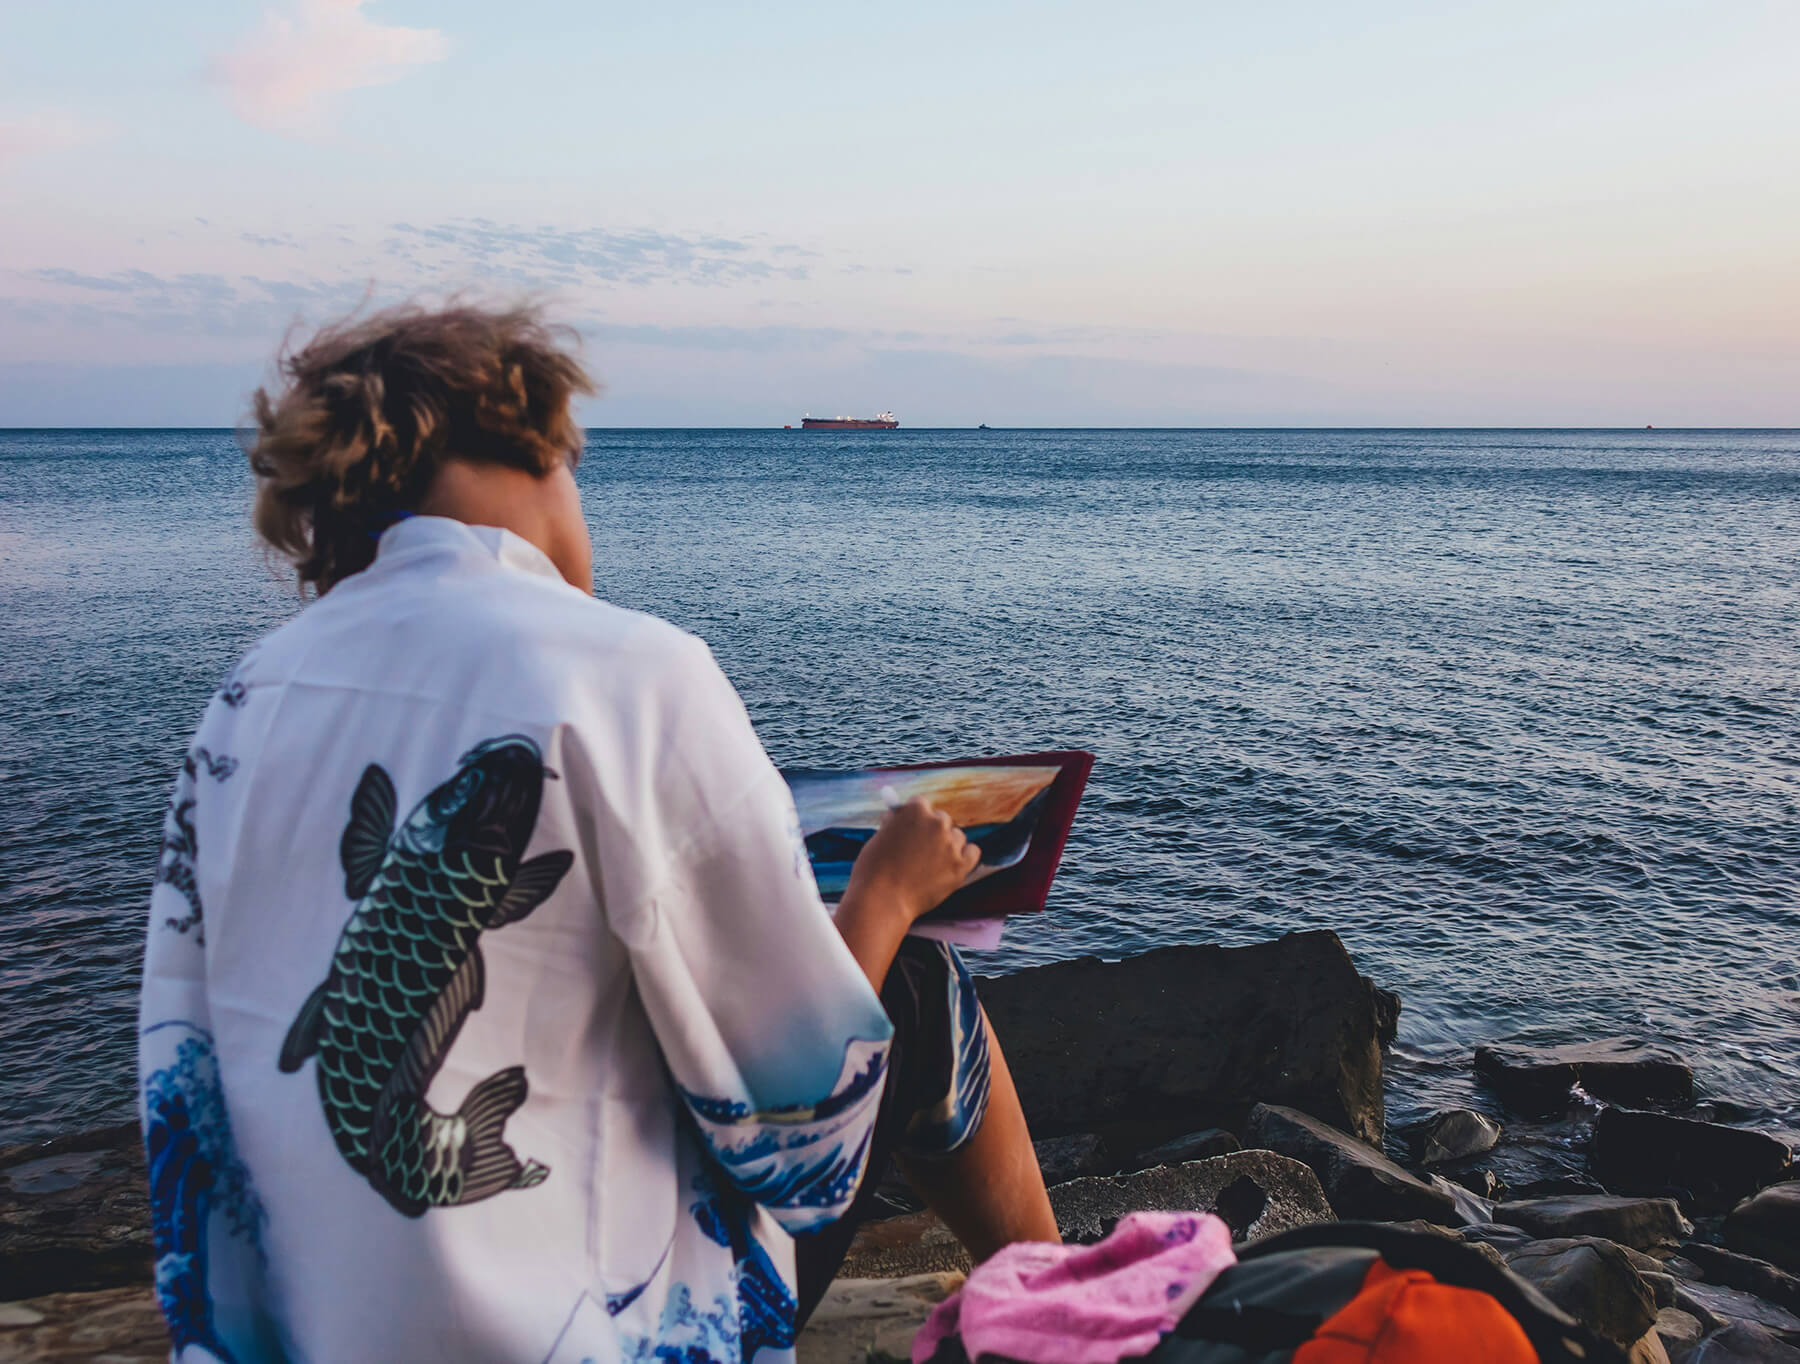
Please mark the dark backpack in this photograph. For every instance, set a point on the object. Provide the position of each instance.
(1370, 1293)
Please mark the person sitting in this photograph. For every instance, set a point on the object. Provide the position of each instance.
(490, 1010)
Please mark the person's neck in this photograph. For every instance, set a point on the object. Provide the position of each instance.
(528, 505)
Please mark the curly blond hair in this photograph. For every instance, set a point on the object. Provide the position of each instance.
(372, 407)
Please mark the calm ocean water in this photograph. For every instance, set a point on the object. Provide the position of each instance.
(1514, 712)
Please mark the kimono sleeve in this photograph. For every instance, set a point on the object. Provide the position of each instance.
(205, 1218)
(769, 1027)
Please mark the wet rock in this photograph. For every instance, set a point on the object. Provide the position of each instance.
(860, 1320)
(1470, 1210)
(1647, 1350)
(1641, 1223)
(1360, 1181)
(1728, 1267)
(1678, 1331)
(1213, 1141)
(1538, 1079)
(1453, 1134)
(1592, 1280)
(1733, 1304)
(1495, 1234)
(1387, 1012)
(1743, 1344)
(114, 1325)
(1535, 1159)
(1767, 1225)
(1064, 1158)
(1259, 1193)
(74, 1214)
(1483, 1183)
(1195, 1034)
(1637, 1152)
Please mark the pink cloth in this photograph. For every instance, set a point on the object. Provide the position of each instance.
(1084, 1304)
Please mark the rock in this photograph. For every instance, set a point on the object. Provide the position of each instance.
(901, 1247)
(1535, 1159)
(1647, 1350)
(1651, 1270)
(1360, 1182)
(1484, 1184)
(1452, 1135)
(1387, 1012)
(1213, 1141)
(1767, 1225)
(74, 1214)
(1727, 1267)
(1471, 1211)
(1641, 1223)
(1679, 1332)
(1538, 1079)
(1064, 1158)
(1259, 1193)
(1196, 1034)
(1592, 1280)
(859, 1320)
(1743, 1344)
(1495, 1234)
(115, 1325)
(1637, 1152)
(1732, 1304)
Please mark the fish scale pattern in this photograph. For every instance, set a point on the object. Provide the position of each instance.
(412, 933)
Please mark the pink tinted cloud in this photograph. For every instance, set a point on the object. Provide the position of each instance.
(281, 75)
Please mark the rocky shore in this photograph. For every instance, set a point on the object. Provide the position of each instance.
(1243, 1081)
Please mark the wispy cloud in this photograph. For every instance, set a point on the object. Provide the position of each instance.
(538, 256)
(43, 131)
(281, 76)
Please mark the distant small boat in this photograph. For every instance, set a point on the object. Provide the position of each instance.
(983, 427)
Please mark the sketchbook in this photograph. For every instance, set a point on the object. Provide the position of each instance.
(1017, 809)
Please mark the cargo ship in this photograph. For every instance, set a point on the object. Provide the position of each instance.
(881, 421)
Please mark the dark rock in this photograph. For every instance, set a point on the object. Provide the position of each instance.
(1678, 1332)
(74, 1214)
(1387, 1012)
(1767, 1225)
(1073, 1157)
(1653, 1273)
(1259, 1193)
(1733, 1304)
(1742, 1343)
(1214, 1141)
(1636, 1152)
(1538, 1079)
(1360, 1181)
(1452, 1134)
(1483, 1183)
(1470, 1210)
(1592, 1280)
(1495, 1234)
(1535, 1159)
(1727, 1267)
(1641, 1223)
(1193, 1033)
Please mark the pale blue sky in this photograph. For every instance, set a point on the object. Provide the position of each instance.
(1131, 213)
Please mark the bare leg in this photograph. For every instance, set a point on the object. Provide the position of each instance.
(990, 1192)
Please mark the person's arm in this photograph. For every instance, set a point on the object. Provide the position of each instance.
(911, 866)
(763, 1008)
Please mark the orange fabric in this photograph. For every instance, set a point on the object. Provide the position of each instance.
(1404, 1316)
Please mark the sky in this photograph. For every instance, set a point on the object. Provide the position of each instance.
(1530, 213)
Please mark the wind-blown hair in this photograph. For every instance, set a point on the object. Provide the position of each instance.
(371, 408)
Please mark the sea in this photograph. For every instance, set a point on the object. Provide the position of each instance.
(1514, 713)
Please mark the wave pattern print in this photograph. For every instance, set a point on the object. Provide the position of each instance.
(942, 1128)
(194, 1171)
(802, 1162)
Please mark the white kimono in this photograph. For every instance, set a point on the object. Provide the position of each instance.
(480, 908)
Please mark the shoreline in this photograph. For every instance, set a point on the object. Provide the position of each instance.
(1249, 1081)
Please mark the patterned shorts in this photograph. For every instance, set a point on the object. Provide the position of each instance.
(936, 1094)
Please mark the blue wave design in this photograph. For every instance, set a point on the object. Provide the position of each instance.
(939, 1130)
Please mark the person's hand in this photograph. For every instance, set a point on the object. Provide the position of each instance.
(915, 860)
